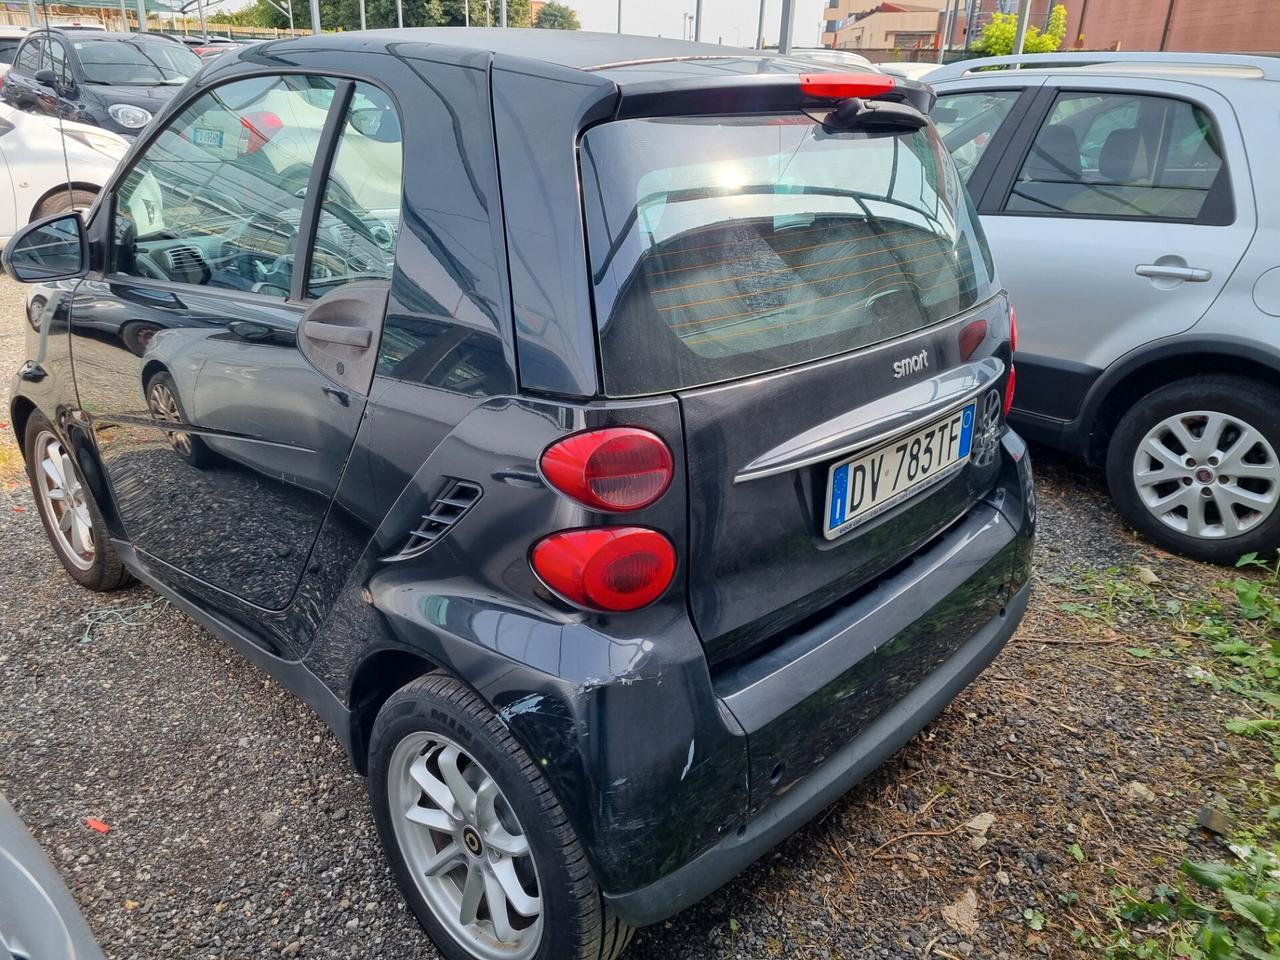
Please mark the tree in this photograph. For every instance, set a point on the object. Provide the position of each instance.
(557, 16)
(345, 14)
(997, 36)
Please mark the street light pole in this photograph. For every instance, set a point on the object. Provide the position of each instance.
(124, 17)
(619, 16)
(1020, 38)
(142, 16)
(400, 14)
(502, 7)
(204, 31)
(760, 28)
(315, 15)
(362, 14)
(697, 22)
(784, 32)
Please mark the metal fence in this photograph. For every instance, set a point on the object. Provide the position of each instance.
(157, 23)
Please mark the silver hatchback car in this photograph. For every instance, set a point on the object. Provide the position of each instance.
(1129, 201)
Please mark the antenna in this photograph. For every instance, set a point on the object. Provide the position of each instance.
(62, 133)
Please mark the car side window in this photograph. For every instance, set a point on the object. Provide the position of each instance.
(1120, 155)
(968, 121)
(216, 199)
(56, 60)
(28, 60)
(359, 217)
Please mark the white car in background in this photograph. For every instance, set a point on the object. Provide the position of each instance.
(10, 39)
(48, 168)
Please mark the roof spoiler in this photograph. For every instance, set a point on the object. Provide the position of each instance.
(768, 93)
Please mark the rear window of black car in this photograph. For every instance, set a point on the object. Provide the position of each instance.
(723, 247)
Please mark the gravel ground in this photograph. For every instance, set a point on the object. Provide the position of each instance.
(237, 829)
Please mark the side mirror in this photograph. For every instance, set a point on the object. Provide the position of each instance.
(47, 78)
(51, 249)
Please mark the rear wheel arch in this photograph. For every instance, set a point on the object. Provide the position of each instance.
(1129, 381)
(374, 680)
(20, 411)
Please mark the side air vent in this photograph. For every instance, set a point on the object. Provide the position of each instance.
(446, 510)
(186, 265)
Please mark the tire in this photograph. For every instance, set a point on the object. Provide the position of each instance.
(34, 309)
(64, 201)
(99, 568)
(1190, 485)
(417, 728)
(137, 336)
(164, 403)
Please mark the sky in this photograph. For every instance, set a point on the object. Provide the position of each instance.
(731, 21)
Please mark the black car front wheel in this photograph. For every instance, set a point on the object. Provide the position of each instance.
(68, 511)
(1195, 466)
(479, 844)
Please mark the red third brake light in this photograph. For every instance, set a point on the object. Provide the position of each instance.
(841, 86)
(606, 568)
(616, 469)
(260, 127)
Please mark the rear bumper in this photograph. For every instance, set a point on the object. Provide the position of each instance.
(854, 761)
(830, 704)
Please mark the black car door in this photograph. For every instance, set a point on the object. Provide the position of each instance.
(18, 83)
(62, 92)
(224, 356)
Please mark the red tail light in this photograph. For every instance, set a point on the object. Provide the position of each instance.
(606, 568)
(840, 86)
(618, 468)
(260, 127)
(971, 336)
(1013, 373)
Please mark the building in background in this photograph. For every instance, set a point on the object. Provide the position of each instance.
(1216, 26)
(890, 26)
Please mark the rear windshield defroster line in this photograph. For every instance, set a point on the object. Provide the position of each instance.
(729, 246)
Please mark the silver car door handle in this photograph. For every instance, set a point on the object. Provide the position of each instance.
(336, 333)
(1159, 270)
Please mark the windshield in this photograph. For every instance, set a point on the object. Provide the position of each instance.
(723, 247)
(136, 62)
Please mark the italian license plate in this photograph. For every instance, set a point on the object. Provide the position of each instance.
(870, 483)
(206, 137)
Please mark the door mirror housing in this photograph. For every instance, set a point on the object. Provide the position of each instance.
(51, 249)
(60, 86)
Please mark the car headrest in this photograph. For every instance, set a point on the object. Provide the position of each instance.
(1055, 156)
(1122, 158)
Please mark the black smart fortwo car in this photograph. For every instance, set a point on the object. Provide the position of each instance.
(605, 435)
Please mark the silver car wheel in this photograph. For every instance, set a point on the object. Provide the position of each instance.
(62, 498)
(466, 851)
(164, 406)
(1206, 474)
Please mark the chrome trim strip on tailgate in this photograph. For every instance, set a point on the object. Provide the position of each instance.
(876, 422)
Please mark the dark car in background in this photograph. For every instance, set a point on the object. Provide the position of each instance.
(619, 504)
(113, 80)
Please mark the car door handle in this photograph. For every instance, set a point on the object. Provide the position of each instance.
(1170, 272)
(336, 333)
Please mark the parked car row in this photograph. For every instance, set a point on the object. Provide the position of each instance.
(631, 473)
(1118, 195)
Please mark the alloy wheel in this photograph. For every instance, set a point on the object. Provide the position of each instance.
(63, 499)
(1207, 474)
(164, 406)
(464, 847)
